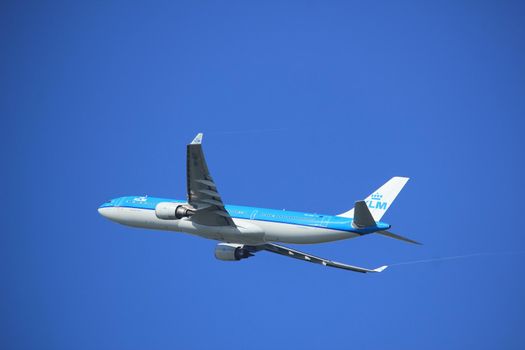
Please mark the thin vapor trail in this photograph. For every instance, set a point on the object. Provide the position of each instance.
(252, 131)
(455, 257)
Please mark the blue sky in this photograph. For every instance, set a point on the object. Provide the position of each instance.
(306, 106)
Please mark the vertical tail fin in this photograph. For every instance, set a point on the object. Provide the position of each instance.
(381, 199)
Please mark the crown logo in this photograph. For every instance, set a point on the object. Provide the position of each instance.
(377, 197)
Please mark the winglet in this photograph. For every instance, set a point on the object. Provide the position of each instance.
(197, 140)
(380, 269)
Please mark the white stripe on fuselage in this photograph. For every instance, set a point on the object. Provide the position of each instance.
(246, 232)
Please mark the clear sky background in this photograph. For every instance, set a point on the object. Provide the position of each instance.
(304, 105)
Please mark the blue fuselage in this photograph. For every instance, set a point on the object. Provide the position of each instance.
(258, 214)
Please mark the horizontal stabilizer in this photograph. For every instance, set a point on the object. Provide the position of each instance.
(395, 236)
(362, 216)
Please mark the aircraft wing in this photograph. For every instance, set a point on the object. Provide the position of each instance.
(292, 253)
(202, 191)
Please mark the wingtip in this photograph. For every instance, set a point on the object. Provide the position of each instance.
(380, 269)
(198, 139)
(402, 178)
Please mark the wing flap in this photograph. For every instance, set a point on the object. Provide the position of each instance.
(206, 182)
(210, 193)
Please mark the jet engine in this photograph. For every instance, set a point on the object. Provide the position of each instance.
(231, 252)
(172, 211)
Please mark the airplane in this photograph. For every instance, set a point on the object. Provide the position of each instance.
(243, 231)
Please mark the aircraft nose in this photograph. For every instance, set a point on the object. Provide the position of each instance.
(103, 211)
(105, 208)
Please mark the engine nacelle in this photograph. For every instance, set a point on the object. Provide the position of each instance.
(231, 252)
(172, 211)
